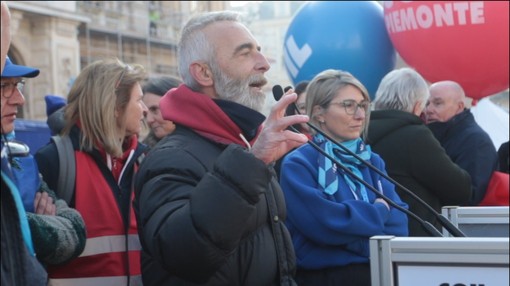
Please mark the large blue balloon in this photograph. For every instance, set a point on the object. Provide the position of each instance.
(345, 35)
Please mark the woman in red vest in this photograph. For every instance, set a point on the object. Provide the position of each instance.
(103, 119)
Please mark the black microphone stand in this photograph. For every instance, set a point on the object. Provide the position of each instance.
(427, 226)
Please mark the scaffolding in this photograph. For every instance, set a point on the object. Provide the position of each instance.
(134, 31)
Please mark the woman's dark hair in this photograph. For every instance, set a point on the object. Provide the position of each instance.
(160, 85)
(301, 87)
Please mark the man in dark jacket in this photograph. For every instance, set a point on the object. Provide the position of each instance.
(209, 208)
(467, 144)
(413, 156)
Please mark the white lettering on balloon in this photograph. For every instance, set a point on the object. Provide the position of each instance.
(439, 15)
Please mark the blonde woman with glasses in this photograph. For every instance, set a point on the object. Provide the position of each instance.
(331, 214)
(103, 118)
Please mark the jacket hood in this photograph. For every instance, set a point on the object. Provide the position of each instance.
(384, 122)
(199, 112)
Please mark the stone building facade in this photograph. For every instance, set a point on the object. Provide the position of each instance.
(62, 37)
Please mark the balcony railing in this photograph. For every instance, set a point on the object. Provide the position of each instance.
(131, 18)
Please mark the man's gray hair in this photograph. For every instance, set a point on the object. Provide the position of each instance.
(401, 89)
(195, 46)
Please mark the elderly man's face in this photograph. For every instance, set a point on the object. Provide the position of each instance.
(11, 99)
(239, 66)
(442, 105)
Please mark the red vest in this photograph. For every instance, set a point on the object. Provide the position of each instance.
(111, 255)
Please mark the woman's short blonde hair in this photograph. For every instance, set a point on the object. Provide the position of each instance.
(324, 87)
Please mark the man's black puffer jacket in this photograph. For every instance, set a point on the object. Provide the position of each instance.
(210, 214)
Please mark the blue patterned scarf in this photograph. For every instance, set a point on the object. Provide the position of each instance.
(328, 178)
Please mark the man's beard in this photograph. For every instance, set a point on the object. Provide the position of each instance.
(239, 90)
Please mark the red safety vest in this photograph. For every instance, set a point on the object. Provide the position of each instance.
(111, 256)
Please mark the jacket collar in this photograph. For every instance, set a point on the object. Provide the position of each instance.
(217, 120)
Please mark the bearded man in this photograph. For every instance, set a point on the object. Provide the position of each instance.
(209, 207)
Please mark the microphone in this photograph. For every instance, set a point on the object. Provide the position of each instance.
(278, 93)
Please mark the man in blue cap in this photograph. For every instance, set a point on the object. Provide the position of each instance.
(12, 84)
(52, 230)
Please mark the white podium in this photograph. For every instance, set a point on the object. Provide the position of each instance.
(439, 261)
(478, 221)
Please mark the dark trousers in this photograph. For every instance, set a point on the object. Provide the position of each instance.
(348, 275)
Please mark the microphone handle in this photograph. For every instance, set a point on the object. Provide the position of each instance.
(455, 231)
(427, 226)
(452, 229)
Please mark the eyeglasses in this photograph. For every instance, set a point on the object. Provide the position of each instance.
(8, 88)
(351, 106)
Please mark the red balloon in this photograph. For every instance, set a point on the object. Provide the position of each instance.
(463, 41)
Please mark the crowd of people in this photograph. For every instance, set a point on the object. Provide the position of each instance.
(219, 193)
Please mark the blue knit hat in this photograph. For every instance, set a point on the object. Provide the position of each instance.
(53, 103)
(12, 70)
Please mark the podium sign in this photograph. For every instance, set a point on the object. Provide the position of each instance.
(439, 261)
(440, 275)
(478, 221)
